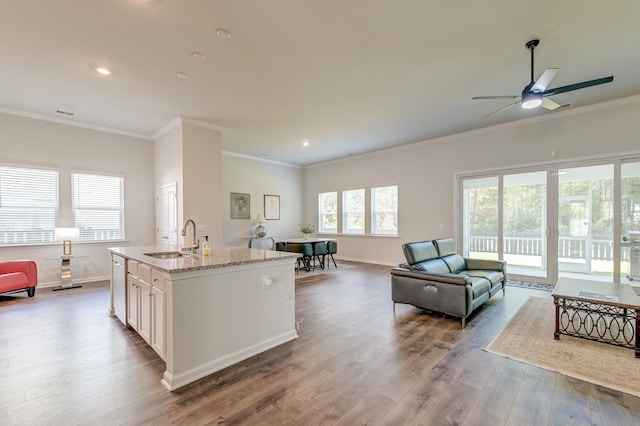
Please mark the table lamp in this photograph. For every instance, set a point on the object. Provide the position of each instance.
(261, 231)
(66, 235)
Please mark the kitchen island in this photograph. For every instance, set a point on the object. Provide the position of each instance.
(204, 313)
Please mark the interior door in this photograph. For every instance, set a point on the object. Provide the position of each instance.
(167, 214)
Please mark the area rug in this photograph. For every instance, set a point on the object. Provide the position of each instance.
(530, 284)
(528, 338)
(303, 274)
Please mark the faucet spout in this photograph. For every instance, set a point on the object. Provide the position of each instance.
(195, 243)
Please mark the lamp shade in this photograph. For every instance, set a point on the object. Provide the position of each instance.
(67, 234)
(260, 218)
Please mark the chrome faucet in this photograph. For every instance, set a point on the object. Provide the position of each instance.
(196, 243)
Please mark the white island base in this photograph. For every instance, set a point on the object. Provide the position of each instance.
(226, 316)
(202, 314)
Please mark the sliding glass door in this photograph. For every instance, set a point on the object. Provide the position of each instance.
(557, 221)
(585, 222)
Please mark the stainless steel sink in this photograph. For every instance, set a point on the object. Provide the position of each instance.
(165, 255)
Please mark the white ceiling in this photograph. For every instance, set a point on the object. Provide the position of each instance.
(349, 76)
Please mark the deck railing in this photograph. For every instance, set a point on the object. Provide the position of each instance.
(532, 245)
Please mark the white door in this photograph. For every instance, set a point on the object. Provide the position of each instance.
(167, 214)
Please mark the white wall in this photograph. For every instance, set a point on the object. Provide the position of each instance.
(257, 178)
(28, 141)
(425, 172)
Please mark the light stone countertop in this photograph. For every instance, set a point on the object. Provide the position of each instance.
(221, 257)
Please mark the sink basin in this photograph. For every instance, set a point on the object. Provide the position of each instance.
(165, 255)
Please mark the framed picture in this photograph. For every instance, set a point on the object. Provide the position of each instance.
(240, 206)
(272, 207)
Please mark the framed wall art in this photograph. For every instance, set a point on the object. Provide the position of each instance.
(272, 207)
(240, 206)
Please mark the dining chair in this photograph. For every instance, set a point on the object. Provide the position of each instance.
(332, 248)
(306, 250)
(319, 249)
(265, 243)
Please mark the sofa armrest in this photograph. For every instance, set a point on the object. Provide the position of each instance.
(487, 264)
(28, 267)
(428, 276)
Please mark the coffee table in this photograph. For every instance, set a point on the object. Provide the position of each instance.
(604, 312)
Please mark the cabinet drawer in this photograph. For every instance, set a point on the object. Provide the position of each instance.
(157, 279)
(144, 273)
(132, 267)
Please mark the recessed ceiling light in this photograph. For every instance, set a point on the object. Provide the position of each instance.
(223, 34)
(198, 56)
(305, 142)
(103, 71)
(182, 75)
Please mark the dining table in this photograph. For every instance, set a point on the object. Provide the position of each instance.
(311, 240)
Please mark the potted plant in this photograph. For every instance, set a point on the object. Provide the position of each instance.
(306, 229)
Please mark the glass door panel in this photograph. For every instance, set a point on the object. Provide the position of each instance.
(585, 222)
(524, 223)
(480, 217)
(630, 221)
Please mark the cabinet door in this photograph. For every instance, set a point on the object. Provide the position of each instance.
(144, 317)
(133, 298)
(157, 320)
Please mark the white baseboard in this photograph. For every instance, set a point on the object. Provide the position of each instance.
(174, 382)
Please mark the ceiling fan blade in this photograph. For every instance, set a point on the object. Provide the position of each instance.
(577, 86)
(549, 104)
(544, 80)
(497, 97)
(502, 109)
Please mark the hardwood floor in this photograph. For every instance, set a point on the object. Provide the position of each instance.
(64, 361)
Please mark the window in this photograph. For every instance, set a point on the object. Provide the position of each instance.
(98, 206)
(28, 205)
(353, 211)
(328, 212)
(384, 210)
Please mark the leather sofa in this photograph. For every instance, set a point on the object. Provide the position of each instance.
(18, 275)
(436, 278)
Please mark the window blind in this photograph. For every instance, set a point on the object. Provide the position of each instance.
(28, 205)
(98, 206)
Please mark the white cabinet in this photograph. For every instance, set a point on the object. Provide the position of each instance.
(146, 304)
(157, 311)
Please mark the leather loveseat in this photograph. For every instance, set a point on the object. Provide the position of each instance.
(437, 279)
(17, 275)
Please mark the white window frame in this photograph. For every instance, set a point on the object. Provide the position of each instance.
(28, 204)
(324, 213)
(376, 211)
(348, 211)
(91, 211)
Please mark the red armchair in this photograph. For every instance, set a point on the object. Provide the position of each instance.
(18, 275)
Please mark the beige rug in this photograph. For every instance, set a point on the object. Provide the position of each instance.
(528, 338)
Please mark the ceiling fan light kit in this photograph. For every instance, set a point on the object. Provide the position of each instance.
(531, 100)
(536, 94)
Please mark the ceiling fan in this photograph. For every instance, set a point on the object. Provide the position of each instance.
(536, 94)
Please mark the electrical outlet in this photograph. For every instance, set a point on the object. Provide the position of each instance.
(266, 281)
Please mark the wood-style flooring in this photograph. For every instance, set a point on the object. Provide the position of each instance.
(63, 361)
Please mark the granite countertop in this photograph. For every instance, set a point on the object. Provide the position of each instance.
(221, 257)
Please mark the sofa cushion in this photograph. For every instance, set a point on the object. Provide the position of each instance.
(455, 262)
(493, 276)
(445, 246)
(419, 251)
(435, 266)
(479, 286)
